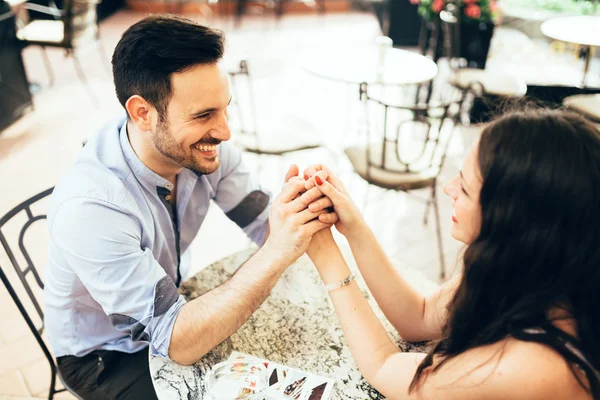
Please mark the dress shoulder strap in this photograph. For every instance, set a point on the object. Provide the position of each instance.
(568, 348)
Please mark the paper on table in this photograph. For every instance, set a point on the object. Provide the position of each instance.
(288, 383)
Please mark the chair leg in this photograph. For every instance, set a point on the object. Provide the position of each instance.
(439, 234)
(279, 4)
(240, 10)
(105, 60)
(427, 206)
(83, 79)
(53, 372)
(48, 66)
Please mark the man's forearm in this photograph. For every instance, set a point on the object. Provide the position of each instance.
(208, 320)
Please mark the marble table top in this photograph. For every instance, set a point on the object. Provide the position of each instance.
(295, 326)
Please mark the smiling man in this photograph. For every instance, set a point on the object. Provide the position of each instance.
(122, 219)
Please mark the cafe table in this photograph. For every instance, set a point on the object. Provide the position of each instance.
(355, 65)
(395, 73)
(580, 30)
(295, 326)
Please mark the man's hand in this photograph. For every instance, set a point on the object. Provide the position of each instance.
(291, 223)
(321, 181)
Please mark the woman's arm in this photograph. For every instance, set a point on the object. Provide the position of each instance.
(369, 343)
(396, 298)
(509, 369)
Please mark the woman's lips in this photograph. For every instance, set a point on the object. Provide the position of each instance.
(454, 219)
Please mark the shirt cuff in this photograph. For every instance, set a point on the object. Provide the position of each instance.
(163, 329)
(257, 230)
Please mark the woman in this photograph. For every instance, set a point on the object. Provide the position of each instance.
(523, 320)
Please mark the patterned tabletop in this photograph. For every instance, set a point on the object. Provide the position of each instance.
(295, 326)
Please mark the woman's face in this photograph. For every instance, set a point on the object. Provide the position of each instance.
(464, 190)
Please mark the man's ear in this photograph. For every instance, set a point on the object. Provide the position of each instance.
(140, 112)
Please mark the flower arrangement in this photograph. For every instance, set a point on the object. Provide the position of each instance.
(472, 10)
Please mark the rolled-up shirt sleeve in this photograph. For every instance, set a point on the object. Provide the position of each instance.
(240, 196)
(101, 242)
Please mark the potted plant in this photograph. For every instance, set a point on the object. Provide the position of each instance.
(476, 25)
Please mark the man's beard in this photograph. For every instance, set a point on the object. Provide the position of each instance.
(168, 147)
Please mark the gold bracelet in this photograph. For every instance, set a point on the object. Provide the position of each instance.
(341, 283)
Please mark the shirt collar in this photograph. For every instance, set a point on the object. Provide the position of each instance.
(144, 174)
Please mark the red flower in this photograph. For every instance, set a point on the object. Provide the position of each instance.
(438, 6)
(473, 11)
(415, 1)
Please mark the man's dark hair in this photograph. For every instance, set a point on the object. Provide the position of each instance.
(156, 47)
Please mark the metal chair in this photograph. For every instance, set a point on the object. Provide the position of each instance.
(292, 135)
(495, 89)
(72, 27)
(406, 148)
(22, 272)
(278, 6)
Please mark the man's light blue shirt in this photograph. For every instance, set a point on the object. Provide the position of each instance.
(118, 248)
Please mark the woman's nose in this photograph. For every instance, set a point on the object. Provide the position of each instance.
(450, 189)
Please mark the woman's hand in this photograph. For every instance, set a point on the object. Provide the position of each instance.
(291, 223)
(320, 180)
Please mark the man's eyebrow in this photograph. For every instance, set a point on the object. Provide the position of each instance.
(201, 112)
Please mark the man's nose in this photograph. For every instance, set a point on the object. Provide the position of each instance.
(221, 131)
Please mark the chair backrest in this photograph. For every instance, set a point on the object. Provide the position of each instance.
(450, 25)
(409, 138)
(23, 271)
(80, 21)
(242, 111)
(28, 267)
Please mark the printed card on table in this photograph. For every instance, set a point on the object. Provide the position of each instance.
(288, 383)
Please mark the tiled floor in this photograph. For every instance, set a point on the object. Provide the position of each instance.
(37, 149)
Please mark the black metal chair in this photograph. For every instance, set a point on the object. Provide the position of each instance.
(22, 272)
(405, 149)
(73, 26)
(491, 90)
(292, 135)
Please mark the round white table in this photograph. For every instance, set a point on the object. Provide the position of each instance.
(361, 64)
(582, 30)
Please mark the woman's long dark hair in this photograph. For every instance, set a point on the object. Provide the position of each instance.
(539, 244)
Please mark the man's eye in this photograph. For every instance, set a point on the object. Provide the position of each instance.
(203, 116)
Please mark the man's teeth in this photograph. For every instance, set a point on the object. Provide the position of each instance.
(206, 147)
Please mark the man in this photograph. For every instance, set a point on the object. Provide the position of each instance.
(122, 218)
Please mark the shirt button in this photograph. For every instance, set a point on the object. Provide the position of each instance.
(168, 197)
(169, 186)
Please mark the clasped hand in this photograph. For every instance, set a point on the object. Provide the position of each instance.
(296, 215)
(301, 215)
